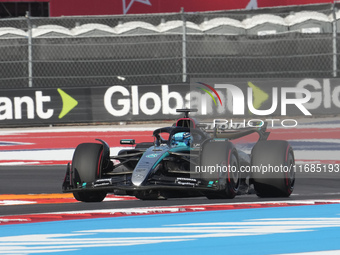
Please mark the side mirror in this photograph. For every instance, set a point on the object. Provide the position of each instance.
(128, 141)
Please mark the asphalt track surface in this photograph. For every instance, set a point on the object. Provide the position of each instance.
(48, 179)
(323, 137)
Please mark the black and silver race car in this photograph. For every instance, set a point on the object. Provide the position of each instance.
(185, 159)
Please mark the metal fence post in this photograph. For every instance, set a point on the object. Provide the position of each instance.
(30, 64)
(184, 48)
(335, 57)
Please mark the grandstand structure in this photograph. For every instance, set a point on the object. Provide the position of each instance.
(169, 48)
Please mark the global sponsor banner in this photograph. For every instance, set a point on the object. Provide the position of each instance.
(214, 98)
(22, 107)
(143, 102)
(87, 105)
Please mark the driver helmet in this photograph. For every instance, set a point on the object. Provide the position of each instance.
(181, 139)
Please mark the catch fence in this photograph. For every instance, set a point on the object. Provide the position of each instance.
(169, 48)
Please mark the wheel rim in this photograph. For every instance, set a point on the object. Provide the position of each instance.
(99, 163)
(291, 174)
(235, 176)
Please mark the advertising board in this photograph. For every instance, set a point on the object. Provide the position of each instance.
(238, 98)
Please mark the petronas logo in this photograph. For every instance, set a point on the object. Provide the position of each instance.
(68, 103)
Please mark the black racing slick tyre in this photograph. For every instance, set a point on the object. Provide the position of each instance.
(222, 155)
(86, 167)
(275, 174)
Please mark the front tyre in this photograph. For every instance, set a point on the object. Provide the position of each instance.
(86, 167)
(223, 155)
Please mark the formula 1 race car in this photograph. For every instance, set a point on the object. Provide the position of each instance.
(185, 159)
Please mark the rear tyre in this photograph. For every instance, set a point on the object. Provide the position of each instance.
(86, 167)
(227, 178)
(279, 178)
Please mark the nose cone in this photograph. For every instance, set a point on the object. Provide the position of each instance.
(147, 163)
(139, 175)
